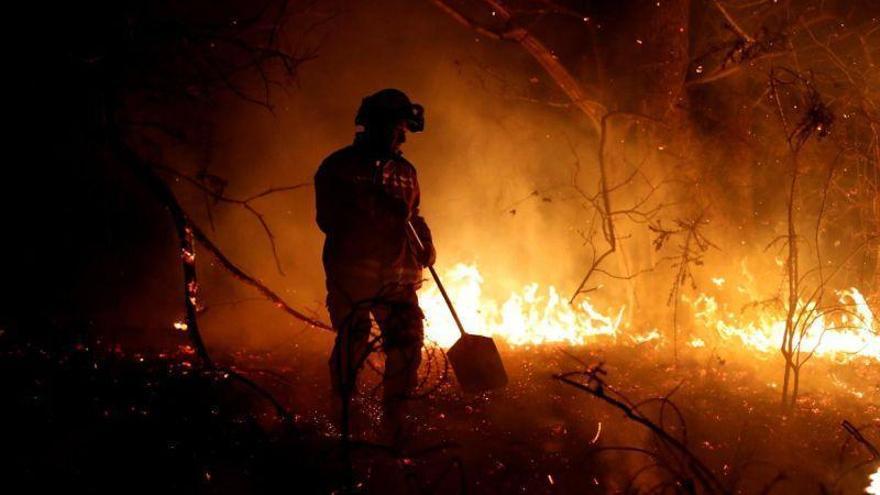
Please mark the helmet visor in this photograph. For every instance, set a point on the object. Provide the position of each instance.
(415, 120)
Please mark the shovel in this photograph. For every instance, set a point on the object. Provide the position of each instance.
(474, 358)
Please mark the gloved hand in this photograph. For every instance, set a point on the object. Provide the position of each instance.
(428, 256)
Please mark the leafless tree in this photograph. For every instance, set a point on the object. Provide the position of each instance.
(175, 60)
(509, 21)
(690, 253)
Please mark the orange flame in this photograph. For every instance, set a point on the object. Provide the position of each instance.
(850, 332)
(531, 316)
(537, 315)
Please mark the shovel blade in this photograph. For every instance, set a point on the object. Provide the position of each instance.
(477, 364)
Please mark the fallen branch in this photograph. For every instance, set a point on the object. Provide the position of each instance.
(857, 435)
(596, 387)
(189, 231)
(217, 194)
(253, 282)
(183, 228)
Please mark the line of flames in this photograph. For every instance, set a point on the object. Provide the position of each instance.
(535, 316)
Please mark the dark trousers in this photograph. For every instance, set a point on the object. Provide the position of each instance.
(395, 308)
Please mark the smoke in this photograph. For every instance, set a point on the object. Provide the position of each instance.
(495, 172)
(497, 167)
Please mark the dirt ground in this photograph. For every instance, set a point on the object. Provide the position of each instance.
(106, 418)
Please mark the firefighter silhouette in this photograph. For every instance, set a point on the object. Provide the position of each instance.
(366, 193)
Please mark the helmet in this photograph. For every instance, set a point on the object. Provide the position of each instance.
(388, 107)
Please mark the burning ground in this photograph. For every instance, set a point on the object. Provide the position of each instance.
(100, 413)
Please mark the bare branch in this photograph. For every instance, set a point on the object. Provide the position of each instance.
(543, 55)
(596, 386)
(218, 196)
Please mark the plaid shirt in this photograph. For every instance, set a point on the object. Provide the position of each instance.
(363, 205)
(398, 179)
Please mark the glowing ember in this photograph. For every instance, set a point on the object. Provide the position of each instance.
(188, 257)
(537, 315)
(598, 433)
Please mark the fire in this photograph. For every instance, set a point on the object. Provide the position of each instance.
(531, 316)
(874, 488)
(539, 315)
(849, 332)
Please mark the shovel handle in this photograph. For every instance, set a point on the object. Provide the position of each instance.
(437, 281)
